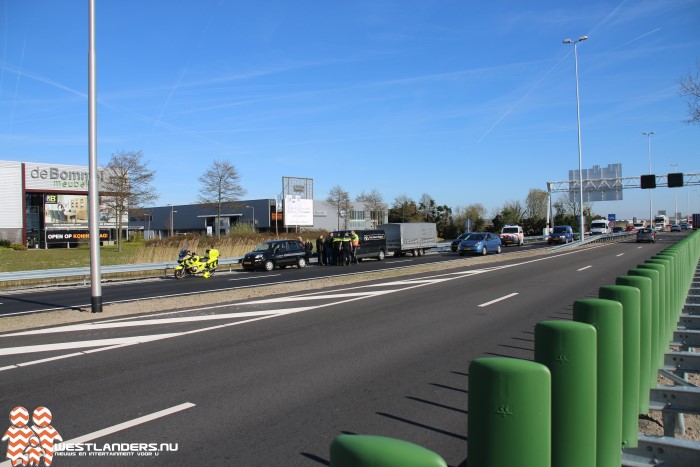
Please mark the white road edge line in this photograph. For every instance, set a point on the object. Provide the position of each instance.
(583, 268)
(621, 254)
(505, 297)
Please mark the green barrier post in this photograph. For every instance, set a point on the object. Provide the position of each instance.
(378, 451)
(658, 328)
(509, 413)
(649, 316)
(606, 317)
(644, 285)
(661, 331)
(666, 297)
(629, 297)
(568, 349)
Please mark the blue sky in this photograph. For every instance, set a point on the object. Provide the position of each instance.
(470, 102)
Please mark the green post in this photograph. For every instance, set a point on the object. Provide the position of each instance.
(606, 317)
(660, 269)
(509, 413)
(629, 297)
(649, 323)
(378, 451)
(671, 256)
(644, 285)
(568, 349)
(665, 294)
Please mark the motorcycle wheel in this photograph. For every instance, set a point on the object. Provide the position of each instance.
(179, 273)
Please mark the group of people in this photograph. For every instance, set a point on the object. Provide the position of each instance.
(338, 250)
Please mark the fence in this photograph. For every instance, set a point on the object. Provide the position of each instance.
(578, 403)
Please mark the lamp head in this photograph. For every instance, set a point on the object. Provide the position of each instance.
(567, 41)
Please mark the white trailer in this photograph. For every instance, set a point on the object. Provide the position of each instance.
(409, 237)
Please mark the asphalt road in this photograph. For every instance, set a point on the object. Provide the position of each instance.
(273, 381)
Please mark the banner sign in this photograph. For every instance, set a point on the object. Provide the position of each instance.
(72, 236)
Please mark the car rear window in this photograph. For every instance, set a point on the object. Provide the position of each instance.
(510, 230)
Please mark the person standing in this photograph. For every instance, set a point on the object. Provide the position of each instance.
(355, 239)
(328, 247)
(319, 250)
(347, 249)
(308, 250)
(338, 250)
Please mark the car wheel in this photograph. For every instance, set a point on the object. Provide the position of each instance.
(380, 256)
(498, 250)
(483, 251)
(269, 265)
(301, 262)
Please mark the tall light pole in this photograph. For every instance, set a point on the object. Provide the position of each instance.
(172, 220)
(675, 209)
(251, 207)
(578, 123)
(648, 135)
(93, 186)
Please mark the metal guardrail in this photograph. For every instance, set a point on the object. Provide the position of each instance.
(84, 272)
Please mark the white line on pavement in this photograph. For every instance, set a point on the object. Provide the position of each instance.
(505, 297)
(254, 277)
(584, 268)
(621, 254)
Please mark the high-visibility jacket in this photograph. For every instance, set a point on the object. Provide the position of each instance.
(355, 239)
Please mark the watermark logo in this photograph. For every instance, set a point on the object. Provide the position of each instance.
(29, 446)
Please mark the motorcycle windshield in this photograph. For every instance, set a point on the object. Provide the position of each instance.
(182, 254)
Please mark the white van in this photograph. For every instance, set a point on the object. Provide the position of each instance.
(600, 227)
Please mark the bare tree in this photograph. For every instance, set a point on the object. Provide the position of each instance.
(220, 187)
(427, 207)
(374, 201)
(339, 199)
(690, 89)
(127, 184)
(475, 212)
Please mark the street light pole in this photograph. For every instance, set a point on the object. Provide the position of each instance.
(578, 123)
(648, 135)
(251, 207)
(172, 221)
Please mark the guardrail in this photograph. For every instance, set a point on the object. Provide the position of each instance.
(84, 272)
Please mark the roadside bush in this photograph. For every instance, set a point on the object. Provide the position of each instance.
(5, 243)
(18, 247)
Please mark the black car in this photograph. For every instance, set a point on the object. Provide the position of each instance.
(275, 253)
(454, 246)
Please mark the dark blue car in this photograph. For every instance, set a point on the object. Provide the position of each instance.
(561, 234)
(480, 243)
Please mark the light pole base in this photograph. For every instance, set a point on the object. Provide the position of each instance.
(96, 303)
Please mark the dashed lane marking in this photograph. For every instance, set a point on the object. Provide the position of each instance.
(505, 297)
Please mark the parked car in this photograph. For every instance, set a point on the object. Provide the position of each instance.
(561, 234)
(454, 246)
(646, 235)
(275, 253)
(480, 243)
(675, 228)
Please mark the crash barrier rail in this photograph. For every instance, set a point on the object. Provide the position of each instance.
(578, 403)
(598, 238)
(84, 272)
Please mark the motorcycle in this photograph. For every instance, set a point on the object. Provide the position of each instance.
(190, 263)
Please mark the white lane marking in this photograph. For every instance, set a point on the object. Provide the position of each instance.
(253, 277)
(400, 261)
(505, 297)
(584, 268)
(84, 344)
(152, 322)
(621, 254)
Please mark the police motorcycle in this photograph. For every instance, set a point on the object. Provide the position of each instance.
(190, 263)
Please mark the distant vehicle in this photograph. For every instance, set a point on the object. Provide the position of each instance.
(618, 229)
(632, 228)
(684, 226)
(480, 243)
(646, 235)
(455, 243)
(372, 243)
(675, 228)
(661, 222)
(275, 253)
(600, 227)
(409, 237)
(512, 235)
(561, 234)
(696, 221)
(640, 225)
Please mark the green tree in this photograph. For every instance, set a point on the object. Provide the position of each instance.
(404, 209)
(127, 184)
(221, 187)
